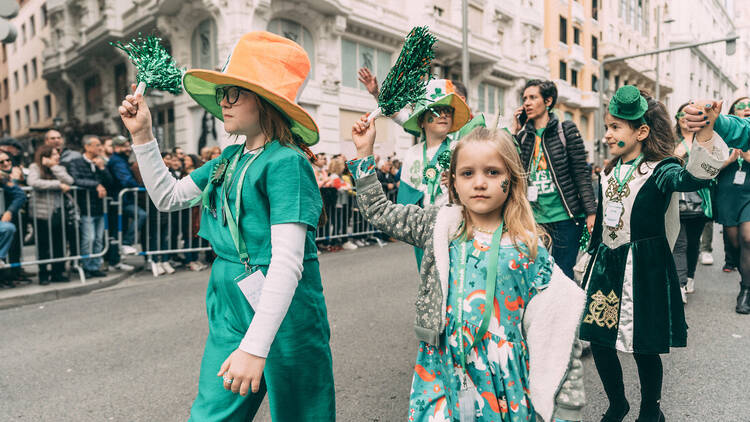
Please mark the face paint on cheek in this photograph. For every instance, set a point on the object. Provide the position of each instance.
(430, 119)
(504, 185)
(621, 144)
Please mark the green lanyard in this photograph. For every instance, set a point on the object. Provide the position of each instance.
(686, 147)
(489, 303)
(233, 220)
(740, 160)
(622, 182)
(432, 182)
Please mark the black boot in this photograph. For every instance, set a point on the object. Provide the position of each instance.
(743, 301)
(653, 417)
(617, 413)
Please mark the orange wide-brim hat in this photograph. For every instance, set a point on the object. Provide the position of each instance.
(271, 66)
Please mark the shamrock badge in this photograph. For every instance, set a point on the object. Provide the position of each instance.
(430, 173)
(217, 176)
(437, 94)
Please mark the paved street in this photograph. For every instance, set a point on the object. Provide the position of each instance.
(131, 352)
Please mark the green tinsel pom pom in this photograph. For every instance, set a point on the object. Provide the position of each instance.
(407, 80)
(156, 68)
(444, 159)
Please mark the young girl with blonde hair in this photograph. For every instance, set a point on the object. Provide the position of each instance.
(496, 319)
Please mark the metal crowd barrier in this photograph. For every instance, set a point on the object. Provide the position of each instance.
(345, 220)
(65, 223)
(160, 234)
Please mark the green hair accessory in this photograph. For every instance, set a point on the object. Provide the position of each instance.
(628, 104)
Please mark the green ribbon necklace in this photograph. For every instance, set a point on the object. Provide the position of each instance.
(622, 182)
(489, 306)
(222, 175)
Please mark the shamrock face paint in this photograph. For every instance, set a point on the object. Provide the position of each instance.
(504, 185)
(430, 119)
(621, 144)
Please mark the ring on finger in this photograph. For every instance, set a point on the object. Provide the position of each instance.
(228, 379)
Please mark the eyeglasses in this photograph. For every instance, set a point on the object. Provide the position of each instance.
(680, 115)
(742, 106)
(232, 94)
(5, 161)
(442, 109)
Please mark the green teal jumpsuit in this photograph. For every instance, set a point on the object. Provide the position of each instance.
(279, 187)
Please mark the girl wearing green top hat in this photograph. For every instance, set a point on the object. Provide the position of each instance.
(268, 329)
(633, 293)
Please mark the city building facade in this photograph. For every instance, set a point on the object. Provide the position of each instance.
(89, 77)
(572, 36)
(31, 105)
(4, 92)
(706, 71)
(740, 68)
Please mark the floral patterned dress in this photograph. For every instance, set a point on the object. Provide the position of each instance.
(498, 365)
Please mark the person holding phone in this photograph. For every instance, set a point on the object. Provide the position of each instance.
(554, 157)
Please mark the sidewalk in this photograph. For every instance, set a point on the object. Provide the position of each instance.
(30, 293)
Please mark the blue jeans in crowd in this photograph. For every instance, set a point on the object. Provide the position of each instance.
(7, 231)
(566, 237)
(139, 218)
(92, 240)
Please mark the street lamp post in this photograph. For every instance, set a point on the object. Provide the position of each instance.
(465, 42)
(730, 41)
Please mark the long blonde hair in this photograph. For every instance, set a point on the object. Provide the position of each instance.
(518, 217)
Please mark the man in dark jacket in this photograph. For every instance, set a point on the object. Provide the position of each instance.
(554, 156)
(123, 177)
(11, 202)
(90, 173)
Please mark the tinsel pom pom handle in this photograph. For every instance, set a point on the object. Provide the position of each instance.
(140, 89)
(374, 115)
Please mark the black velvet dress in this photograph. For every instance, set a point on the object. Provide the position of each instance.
(633, 293)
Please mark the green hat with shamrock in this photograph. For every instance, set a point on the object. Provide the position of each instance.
(439, 92)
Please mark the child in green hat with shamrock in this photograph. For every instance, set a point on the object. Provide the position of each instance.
(633, 293)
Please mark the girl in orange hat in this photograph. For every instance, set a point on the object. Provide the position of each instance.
(268, 329)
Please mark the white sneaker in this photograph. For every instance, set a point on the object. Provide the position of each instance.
(166, 267)
(349, 245)
(690, 287)
(128, 250)
(360, 243)
(683, 293)
(124, 267)
(156, 269)
(707, 258)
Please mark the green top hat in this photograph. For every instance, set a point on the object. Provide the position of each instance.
(628, 103)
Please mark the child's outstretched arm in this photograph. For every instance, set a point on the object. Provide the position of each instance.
(734, 130)
(408, 223)
(707, 157)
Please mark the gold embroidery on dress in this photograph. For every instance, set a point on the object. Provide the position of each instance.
(614, 195)
(603, 310)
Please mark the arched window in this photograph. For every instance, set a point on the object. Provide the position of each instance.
(297, 33)
(204, 50)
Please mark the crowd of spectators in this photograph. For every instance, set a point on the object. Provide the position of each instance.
(56, 204)
(345, 226)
